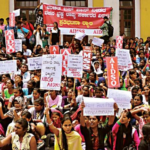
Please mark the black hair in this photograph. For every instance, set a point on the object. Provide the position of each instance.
(18, 22)
(39, 31)
(64, 138)
(20, 52)
(12, 81)
(23, 123)
(38, 90)
(40, 10)
(27, 114)
(7, 75)
(20, 91)
(146, 132)
(20, 59)
(40, 101)
(131, 72)
(140, 96)
(24, 19)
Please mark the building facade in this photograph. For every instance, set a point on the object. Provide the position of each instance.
(128, 16)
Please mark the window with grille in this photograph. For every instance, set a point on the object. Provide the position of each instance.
(27, 8)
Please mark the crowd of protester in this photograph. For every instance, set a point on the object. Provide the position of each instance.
(31, 118)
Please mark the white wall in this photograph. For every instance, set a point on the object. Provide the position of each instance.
(115, 15)
(137, 19)
(48, 1)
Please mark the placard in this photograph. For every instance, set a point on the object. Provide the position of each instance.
(119, 42)
(34, 63)
(54, 49)
(123, 59)
(16, 12)
(10, 42)
(51, 72)
(87, 55)
(11, 19)
(9, 66)
(18, 45)
(122, 98)
(73, 19)
(75, 66)
(98, 107)
(112, 72)
(65, 53)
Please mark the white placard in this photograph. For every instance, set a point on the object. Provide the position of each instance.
(51, 72)
(123, 59)
(98, 106)
(79, 36)
(18, 45)
(9, 66)
(75, 66)
(16, 12)
(35, 63)
(122, 98)
(97, 41)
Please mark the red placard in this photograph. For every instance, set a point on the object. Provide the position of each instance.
(65, 53)
(10, 42)
(11, 19)
(54, 49)
(119, 42)
(87, 55)
(112, 72)
(73, 19)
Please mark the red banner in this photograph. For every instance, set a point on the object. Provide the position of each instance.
(87, 55)
(65, 53)
(54, 49)
(11, 19)
(119, 42)
(112, 72)
(73, 19)
(10, 42)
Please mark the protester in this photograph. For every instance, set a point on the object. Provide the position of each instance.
(45, 106)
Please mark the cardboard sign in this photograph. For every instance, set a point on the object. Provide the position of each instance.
(98, 107)
(34, 63)
(10, 42)
(51, 72)
(9, 66)
(112, 72)
(11, 19)
(87, 55)
(119, 42)
(75, 66)
(18, 45)
(122, 98)
(123, 59)
(54, 49)
(65, 53)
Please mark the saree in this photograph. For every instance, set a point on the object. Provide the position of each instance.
(73, 140)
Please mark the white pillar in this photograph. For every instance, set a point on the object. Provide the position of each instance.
(137, 19)
(90, 4)
(60, 2)
(115, 15)
(11, 5)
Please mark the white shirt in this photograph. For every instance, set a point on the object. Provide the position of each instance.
(27, 53)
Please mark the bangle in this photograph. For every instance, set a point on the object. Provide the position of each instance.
(50, 123)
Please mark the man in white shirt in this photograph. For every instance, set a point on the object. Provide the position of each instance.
(26, 52)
